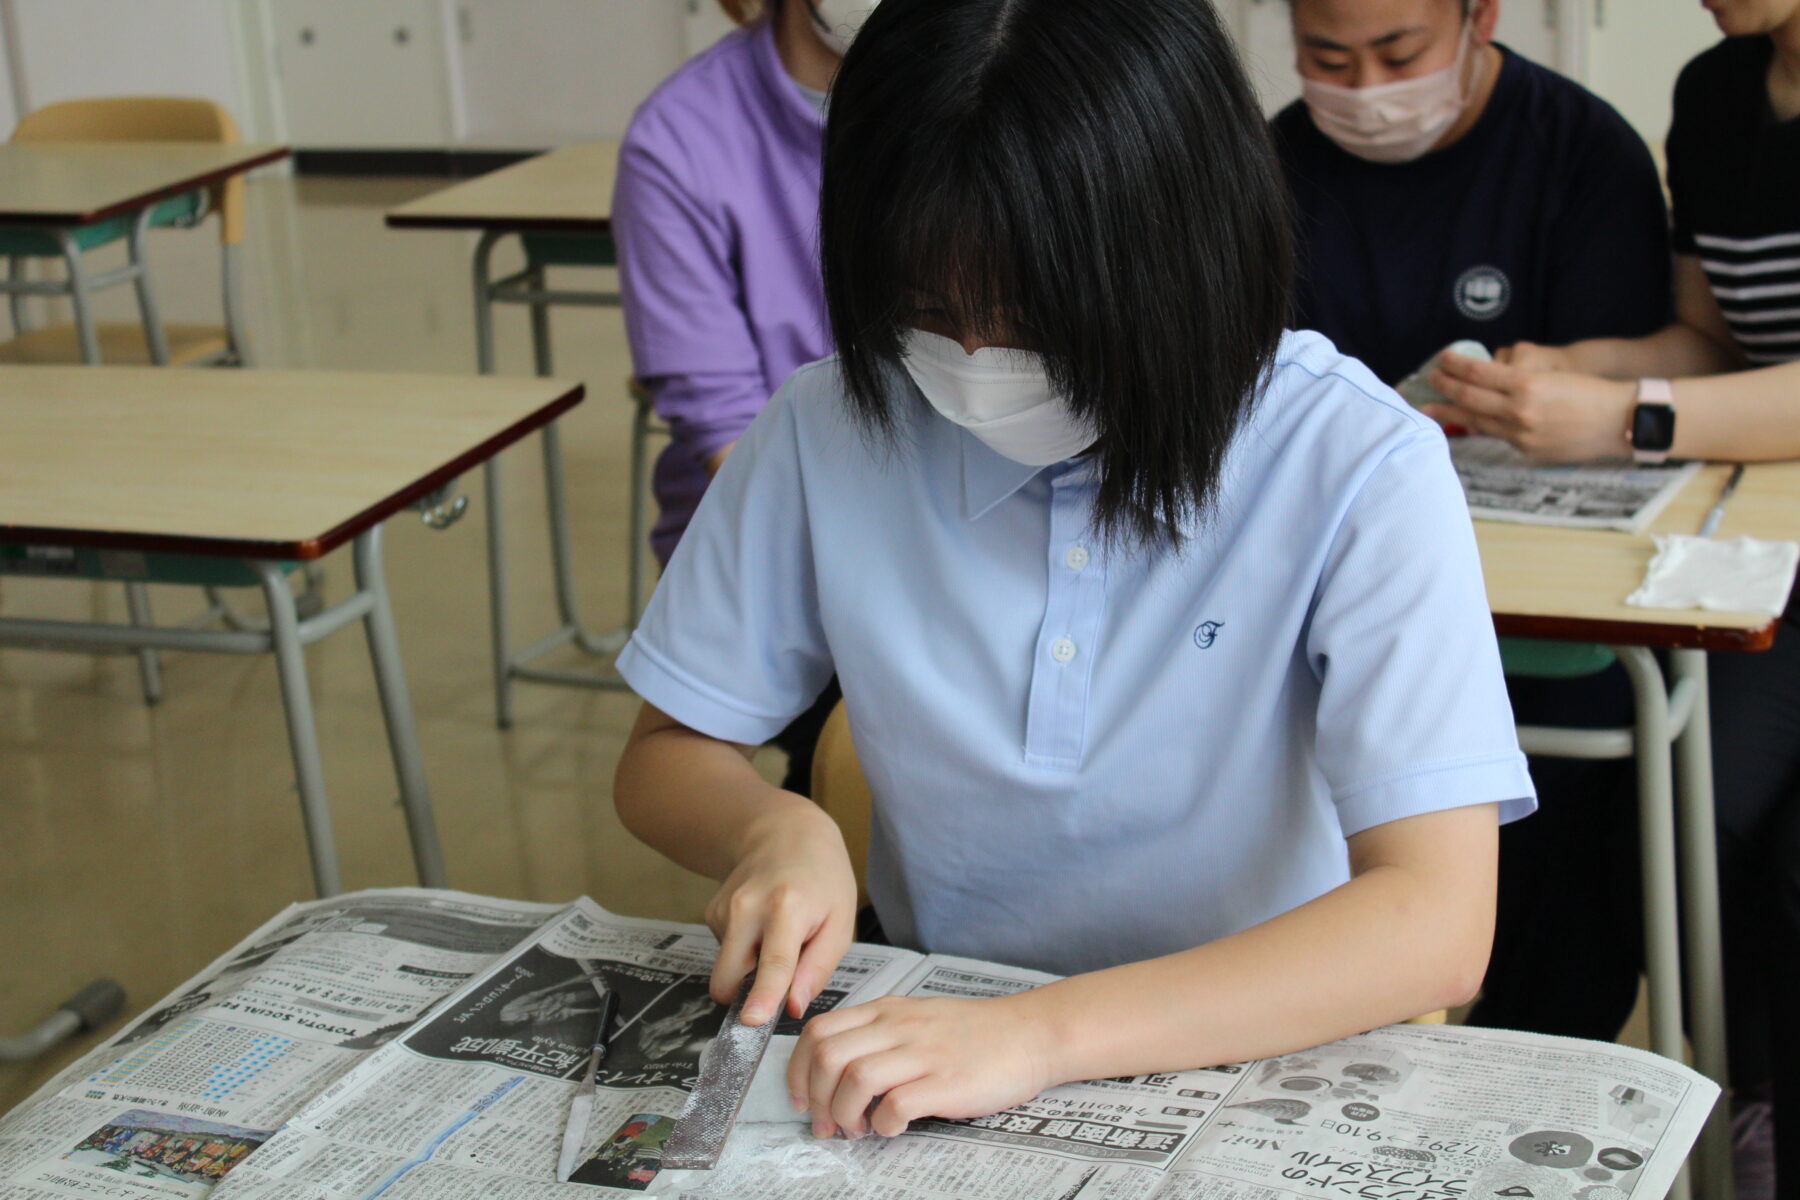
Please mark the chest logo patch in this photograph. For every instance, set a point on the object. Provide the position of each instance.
(1206, 633)
(1482, 293)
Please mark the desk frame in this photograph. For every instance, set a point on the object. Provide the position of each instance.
(1675, 805)
(286, 636)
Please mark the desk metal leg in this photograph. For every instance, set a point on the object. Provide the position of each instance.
(642, 416)
(508, 665)
(137, 603)
(556, 485)
(396, 708)
(15, 274)
(303, 736)
(1656, 849)
(496, 523)
(1702, 954)
(155, 340)
(85, 332)
(499, 638)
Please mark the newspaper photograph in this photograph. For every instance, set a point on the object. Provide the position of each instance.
(1504, 485)
(290, 1069)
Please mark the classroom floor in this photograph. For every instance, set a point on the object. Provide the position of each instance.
(141, 842)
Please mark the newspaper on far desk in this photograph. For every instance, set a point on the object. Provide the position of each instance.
(1504, 485)
(466, 1097)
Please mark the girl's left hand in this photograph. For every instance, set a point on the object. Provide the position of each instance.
(1554, 416)
(938, 1057)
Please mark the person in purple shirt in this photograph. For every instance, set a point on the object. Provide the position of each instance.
(716, 216)
(716, 213)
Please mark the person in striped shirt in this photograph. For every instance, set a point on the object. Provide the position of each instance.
(1730, 367)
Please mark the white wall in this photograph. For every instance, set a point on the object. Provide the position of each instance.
(539, 73)
(1635, 50)
(72, 48)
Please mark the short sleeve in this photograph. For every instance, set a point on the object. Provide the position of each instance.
(731, 644)
(1413, 713)
(680, 288)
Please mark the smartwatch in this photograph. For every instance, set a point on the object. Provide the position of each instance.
(1652, 429)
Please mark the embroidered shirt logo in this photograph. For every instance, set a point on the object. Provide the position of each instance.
(1482, 293)
(1206, 633)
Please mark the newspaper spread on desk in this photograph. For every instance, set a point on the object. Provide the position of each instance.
(1504, 485)
(409, 1044)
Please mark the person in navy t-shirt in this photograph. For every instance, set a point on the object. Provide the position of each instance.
(1446, 188)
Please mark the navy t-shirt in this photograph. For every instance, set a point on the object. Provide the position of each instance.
(1544, 223)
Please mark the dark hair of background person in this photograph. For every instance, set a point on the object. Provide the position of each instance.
(1465, 5)
(1088, 179)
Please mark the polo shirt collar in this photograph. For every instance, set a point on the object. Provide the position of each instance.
(988, 476)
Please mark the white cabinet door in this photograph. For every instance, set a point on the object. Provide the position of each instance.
(539, 73)
(1636, 48)
(1266, 40)
(1530, 27)
(704, 23)
(357, 75)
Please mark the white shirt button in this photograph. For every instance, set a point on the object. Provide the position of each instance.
(1077, 557)
(1062, 650)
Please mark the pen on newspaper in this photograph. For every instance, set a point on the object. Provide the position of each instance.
(581, 1108)
(1710, 526)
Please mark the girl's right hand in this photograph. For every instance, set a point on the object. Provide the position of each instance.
(787, 911)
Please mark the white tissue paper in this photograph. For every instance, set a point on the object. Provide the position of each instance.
(1416, 388)
(1740, 574)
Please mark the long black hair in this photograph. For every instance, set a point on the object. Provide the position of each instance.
(1089, 179)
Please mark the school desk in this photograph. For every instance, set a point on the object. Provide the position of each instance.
(560, 206)
(1570, 585)
(233, 478)
(69, 191)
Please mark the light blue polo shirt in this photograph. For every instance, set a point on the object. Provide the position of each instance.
(1081, 756)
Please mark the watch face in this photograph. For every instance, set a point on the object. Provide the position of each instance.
(1653, 427)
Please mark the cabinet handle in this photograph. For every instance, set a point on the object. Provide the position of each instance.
(306, 36)
(402, 35)
(465, 23)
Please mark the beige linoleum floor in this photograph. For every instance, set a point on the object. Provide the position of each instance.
(140, 842)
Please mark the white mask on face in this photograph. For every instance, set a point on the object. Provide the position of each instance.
(1002, 397)
(837, 21)
(1392, 122)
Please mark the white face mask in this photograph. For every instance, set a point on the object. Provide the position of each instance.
(1002, 397)
(837, 21)
(1392, 122)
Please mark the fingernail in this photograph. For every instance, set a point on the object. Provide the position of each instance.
(754, 1014)
(820, 1130)
(798, 1101)
(802, 999)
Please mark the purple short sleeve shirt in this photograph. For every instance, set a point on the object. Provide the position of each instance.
(716, 217)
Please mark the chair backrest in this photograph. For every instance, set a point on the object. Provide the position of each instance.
(839, 788)
(146, 119)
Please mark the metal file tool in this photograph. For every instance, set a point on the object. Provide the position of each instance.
(581, 1108)
(725, 1073)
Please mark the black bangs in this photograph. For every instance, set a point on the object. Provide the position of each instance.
(1089, 179)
